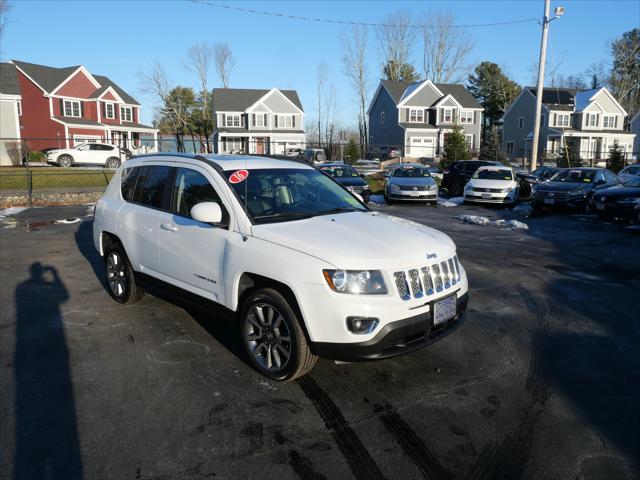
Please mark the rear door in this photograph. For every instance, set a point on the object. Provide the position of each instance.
(192, 252)
(139, 218)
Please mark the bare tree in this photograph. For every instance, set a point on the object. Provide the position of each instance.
(396, 39)
(446, 48)
(329, 119)
(321, 81)
(199, 59)
(355, 68)
(224, 62)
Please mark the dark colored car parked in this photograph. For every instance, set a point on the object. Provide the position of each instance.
(528, 180)
(618, 202)
(571, 188)
(348, 177)
(456, 175)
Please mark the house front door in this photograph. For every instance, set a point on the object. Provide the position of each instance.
(260, 146)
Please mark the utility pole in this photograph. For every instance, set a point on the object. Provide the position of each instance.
(540, 87)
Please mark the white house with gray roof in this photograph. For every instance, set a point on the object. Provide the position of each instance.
(10, 111)
(416, 117)
(589, 121)
(253, 121)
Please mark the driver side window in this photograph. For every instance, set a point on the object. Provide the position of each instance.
(190, 188)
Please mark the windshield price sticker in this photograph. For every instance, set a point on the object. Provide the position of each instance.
(238, 176)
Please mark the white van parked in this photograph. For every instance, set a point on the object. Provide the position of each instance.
(309, 270)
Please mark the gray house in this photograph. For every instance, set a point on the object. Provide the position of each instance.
(257, 121)
(417, 117)
(587, 120)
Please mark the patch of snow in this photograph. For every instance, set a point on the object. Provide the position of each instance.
(377, 199)
(8, 212)
(67, 220)
(484, 221)
(633, 228)
(450, 202)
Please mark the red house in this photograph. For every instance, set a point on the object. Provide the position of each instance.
(62, 107)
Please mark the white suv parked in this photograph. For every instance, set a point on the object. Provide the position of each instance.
(92, 153)
(309, 270)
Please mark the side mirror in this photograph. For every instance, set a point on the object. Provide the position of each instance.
(601, 182)
(207, 212)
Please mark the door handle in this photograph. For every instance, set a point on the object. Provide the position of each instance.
(169, 226)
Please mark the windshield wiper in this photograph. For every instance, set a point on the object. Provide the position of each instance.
(284, 216)
(340, 210)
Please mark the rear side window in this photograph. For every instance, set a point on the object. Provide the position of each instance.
(189, 189)
(128, 182)
(150, 186)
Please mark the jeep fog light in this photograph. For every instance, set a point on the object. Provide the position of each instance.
(362, 325)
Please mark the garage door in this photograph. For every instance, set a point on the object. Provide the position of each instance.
(422, 147)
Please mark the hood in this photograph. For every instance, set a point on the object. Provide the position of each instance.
(618, 191)
(412, 181)
(563, 186)
(360, 240)
(350, 181)
(475, 182)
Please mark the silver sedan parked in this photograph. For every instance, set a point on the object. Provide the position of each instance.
(410, 181)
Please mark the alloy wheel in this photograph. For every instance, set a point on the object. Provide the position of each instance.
(113, 163)
(268, 337)
(116, 274)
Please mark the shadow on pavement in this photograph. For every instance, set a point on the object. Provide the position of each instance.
(46, 428)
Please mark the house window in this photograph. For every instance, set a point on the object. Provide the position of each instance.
(259, 119)
(543, 117)
(447, 115)
(521, 123)
(592, 119)
(232, 120)
(509, 147)
(19, 106)
(109, 111)
(71, 108)
(466, 117)
(126, 114)
(609, 121)
(416, 115)
(284, 121)
(469, 141)
(562, 119)
(381, 118)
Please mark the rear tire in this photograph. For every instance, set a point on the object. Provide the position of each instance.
(120, 276)
(65, 161)
(112, 162)
(273, 337)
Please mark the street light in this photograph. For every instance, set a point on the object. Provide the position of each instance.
(558, 12)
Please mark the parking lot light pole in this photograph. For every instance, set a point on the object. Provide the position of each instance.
(540, 87)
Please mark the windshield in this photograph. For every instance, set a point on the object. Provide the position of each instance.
(574, 176)
(410, 172)
(633, 182)
(340, 172)
(494, 174)
(282, 194)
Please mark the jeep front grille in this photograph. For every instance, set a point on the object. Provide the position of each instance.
(428, 280)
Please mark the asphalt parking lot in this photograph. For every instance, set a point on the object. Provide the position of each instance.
(542, 381)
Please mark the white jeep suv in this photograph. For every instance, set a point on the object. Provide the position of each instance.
(307, 268)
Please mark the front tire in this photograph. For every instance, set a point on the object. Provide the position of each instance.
(120, 276)
(65, 161)
(273, 337)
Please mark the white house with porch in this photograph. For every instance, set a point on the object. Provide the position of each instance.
(253, 121)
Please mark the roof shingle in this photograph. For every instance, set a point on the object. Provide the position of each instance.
(239, 99)
(9, 79)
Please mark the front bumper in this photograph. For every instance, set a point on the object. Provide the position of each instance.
(492, 198)
(568, 202)
(395, 338)
(428, 195)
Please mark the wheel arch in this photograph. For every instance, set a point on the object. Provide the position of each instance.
(107, 239)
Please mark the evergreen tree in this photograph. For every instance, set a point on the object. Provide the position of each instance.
(455, 147)
(491, 148)
(404, 72)
(570, 156)
(352, 151)
(493, 89)
(615, 161)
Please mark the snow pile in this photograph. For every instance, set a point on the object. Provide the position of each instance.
(484, 221)
(376, 199)
(67, 220)
(8, 212)
(450, 202)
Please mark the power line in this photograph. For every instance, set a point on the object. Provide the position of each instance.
(349, 22)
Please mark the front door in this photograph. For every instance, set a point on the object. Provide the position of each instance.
(260, 146)
(192, 253)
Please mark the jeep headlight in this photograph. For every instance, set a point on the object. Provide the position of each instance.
(359, 282)
(433, 187)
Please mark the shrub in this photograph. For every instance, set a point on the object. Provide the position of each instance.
(616, 158)
(37, 157)
(455, 148)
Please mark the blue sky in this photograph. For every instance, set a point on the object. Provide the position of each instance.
(120, 39)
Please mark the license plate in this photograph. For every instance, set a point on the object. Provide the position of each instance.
(415, 194)
(600, 206)
(444, 310)
(549, 201)
(486, 195)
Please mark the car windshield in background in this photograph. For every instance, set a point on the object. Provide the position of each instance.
(410, 172)
(574, 176)
(635, 182)
(282, 194)
(340, 172)
(493, 174)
